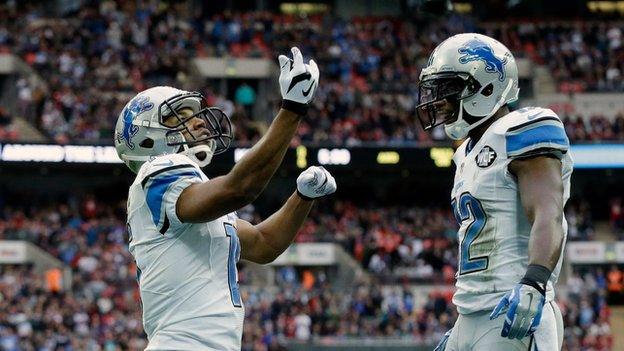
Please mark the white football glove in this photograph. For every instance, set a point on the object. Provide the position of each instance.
(523, 306)
(524, 303)
(315, 182)
(298, 82)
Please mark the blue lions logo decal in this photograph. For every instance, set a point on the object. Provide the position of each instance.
(133, 109)
(476, 49)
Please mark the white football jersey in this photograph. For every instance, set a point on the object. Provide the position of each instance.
(186, 271)
(494, 229)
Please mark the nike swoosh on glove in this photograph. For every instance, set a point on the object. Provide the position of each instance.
(523, 305)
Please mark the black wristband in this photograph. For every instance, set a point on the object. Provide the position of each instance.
(295, 107)
(536, 276)
(306, 198)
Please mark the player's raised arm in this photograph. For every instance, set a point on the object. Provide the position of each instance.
(265, 241)
(203, 202)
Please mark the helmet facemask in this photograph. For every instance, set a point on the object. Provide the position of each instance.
(437, 89)
(200, 148)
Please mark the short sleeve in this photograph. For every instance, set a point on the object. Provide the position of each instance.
(542, 136)
(165, 179)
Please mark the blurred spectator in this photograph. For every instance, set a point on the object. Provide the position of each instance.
(578, 216)
(616, 217)
(245, 96)
(8, 132)
(615, 284)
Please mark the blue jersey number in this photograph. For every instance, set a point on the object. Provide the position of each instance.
(468, 208)
(234, 254)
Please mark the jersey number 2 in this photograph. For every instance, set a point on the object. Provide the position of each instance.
(234, 253)
(468, 208)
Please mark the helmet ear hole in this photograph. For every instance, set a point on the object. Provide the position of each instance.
(147, 143)
(488, 90)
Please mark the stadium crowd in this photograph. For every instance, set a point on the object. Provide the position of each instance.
(102, 310)
(411, 244)
(103, 306)
(99, 55)
(585, 311)
(96, 58)
(98, 314)
(396, 243)
(303, 312)
(582, 56)
(595, 128)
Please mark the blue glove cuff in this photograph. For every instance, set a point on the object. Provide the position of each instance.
(536, 276)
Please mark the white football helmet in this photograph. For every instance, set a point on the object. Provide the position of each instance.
(476, 74)
(140, 132)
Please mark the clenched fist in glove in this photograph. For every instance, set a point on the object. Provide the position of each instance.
(315, 182)
(298, 82)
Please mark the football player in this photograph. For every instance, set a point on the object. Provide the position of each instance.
(512, 181)
(183, 231)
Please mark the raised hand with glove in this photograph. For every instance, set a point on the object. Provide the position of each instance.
(298, 82)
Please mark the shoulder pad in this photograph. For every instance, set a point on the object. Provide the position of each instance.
(162, 180)
(533, 130)
(165, 161)
(169, 164)
(522, 116)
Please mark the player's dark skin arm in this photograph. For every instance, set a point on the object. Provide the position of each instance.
(203, 202)
(541, 190)
(264, 242)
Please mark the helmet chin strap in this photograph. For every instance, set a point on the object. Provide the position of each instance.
(460, 128)
(190, 152)
(193, 152)
(135, 158)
